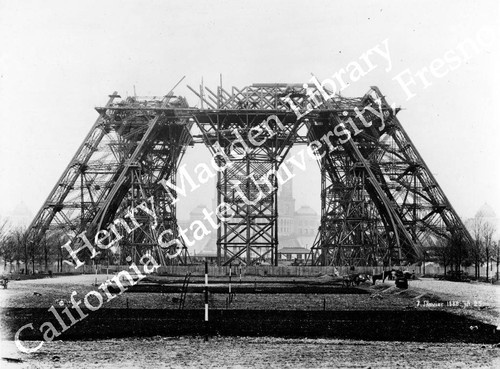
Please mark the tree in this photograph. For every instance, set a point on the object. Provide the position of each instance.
(487, 233)
(13, 247)
(497, 255)
(8, 250)
(21, 246)
(4, 223)
(442, 250)
(477, 227)
(53, 241)
(4, 247)
(459, 251)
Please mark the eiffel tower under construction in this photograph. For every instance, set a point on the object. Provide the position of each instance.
(380, 204)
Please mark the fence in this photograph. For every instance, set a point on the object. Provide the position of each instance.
(261, 270)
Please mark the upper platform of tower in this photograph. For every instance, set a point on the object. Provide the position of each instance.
(277, 97)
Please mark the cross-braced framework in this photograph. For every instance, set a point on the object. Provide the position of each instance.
(380, 203)
(253, 130)
(249, 183)
(115, 174)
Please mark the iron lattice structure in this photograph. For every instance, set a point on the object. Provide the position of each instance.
(132, 146)
(379, 201)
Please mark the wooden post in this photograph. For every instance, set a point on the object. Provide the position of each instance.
(206, 300)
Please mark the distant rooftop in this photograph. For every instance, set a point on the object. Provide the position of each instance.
(306, 210)
(485, 211)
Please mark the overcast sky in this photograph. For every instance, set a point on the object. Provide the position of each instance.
(60, 59)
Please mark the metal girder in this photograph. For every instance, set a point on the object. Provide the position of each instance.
(249, 183)
(134, 144)
(411, 209)
(379, 201)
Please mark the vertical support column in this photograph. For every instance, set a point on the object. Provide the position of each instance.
(247, 184)
(248, 213)
(222, 225)
(274, 231)
(219, 223)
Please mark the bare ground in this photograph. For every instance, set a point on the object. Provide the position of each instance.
(243, 352)
(480, 301)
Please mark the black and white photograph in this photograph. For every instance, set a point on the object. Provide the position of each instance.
(249, 184)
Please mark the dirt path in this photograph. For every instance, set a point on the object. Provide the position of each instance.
(245, 352)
